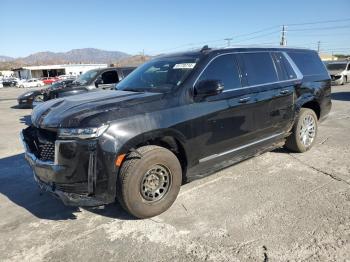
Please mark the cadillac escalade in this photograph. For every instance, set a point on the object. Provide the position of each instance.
(176, 118)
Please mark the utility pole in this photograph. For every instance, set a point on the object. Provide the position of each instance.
(228, 41)
(318, 46)
(143, 59)
(283, 36)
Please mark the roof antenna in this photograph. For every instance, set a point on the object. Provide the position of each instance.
(205, 48)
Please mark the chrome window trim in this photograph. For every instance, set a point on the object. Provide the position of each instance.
(294, 67)
(238, 148)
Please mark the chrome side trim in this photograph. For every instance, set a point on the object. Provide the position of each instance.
(238, 148)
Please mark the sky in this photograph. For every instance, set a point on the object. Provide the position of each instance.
(155, 26)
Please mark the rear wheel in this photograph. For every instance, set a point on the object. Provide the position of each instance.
(149, 182)
(304, 131)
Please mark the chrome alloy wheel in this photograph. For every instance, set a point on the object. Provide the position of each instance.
(307, 130)
(155, 183)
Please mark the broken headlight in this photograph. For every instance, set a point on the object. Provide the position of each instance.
(82, 133)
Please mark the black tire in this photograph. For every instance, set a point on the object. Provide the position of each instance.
(132, 175)
(294, 141)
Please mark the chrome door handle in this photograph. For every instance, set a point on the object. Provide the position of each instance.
(244, 100)
(284, 92)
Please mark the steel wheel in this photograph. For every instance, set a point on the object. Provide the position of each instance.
(155, 183)
(307, 130)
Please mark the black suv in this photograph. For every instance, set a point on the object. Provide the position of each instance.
(92, 80)
(176, 118)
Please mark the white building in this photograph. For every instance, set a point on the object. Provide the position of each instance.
(6, 73)
(28, 72)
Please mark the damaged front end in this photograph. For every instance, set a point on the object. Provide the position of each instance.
(65, 163)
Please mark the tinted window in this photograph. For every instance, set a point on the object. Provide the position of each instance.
(285, 70)
(308, 63)
(110, 77)
(224, 69)
(126, 72)
(259, 68)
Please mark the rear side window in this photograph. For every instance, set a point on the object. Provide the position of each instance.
(223, 68)
(259, 68)
(284, 69)
(308, 63)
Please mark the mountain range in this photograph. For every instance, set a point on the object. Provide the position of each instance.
(84, 55)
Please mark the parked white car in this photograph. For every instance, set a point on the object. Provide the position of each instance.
(31, 83)
(339, 72)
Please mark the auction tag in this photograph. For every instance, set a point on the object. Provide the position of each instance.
(184, 66)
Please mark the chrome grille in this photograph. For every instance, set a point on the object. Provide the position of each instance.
(47, 151)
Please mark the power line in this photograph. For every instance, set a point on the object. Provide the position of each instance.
(239, 36)
(321, 28)
(259, 36)
(320, 22)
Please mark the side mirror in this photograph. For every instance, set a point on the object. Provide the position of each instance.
(98, 81)
(208, 88)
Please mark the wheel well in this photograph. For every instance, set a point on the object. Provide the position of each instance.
(174, 146)
(313, 105)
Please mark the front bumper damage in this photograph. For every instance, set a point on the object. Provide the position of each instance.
(65, 176)
(336, 79)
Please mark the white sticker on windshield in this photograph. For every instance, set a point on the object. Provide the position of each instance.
(184, 66)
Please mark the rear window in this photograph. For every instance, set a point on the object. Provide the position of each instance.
(259, 68)
(308, 63)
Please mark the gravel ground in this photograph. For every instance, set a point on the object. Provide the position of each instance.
(278, 206)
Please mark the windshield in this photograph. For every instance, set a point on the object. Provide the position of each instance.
(87, 77)
(160, 75)
(337, 66)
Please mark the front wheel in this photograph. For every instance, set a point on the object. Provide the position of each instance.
(304, 131)
(39, 98)
(149, 181)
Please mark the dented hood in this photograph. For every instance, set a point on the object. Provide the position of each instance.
(90, 109)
